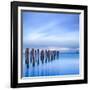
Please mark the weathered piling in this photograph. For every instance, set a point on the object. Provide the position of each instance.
(57, 54)
(33, 56)
(46, 56)
(38, 56)
(42, 56)
(27, 57)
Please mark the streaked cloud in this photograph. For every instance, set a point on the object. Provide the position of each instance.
(52, 31)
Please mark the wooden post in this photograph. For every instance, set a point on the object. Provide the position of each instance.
(27, 57)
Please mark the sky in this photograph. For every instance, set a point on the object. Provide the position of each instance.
(50, 30)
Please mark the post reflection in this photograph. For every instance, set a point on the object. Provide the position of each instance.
(36, 60)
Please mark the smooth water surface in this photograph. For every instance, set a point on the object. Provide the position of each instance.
(67, 64)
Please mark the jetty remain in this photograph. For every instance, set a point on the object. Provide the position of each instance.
(37, 56)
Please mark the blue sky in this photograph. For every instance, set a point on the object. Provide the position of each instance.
(50, 30)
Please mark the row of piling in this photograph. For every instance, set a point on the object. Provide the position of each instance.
(38, 55)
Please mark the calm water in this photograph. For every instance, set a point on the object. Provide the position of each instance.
(67, 64)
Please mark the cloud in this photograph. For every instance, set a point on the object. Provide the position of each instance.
(47, 30)
(42, 39)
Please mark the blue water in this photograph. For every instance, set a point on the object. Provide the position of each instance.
(67, 64)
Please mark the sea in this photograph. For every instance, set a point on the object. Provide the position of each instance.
(66, 64)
